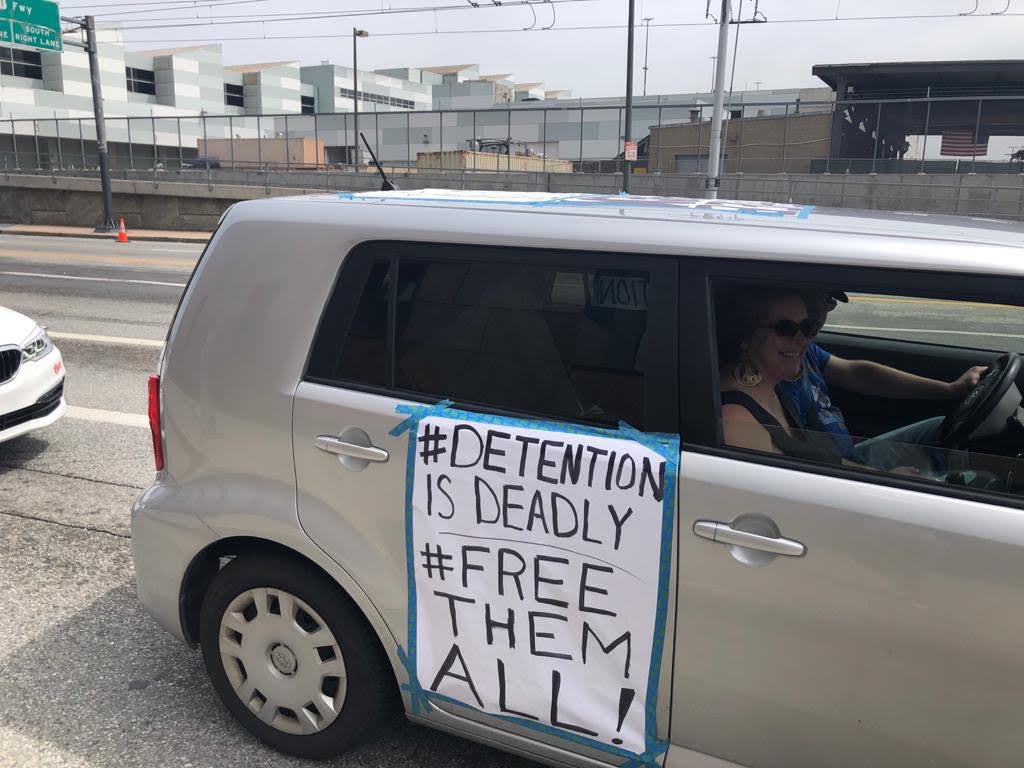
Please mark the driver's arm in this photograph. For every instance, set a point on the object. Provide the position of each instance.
(870, 378)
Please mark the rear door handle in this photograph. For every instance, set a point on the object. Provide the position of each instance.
(339, 447)
(723, 533)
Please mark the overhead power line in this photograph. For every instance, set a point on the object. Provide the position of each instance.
(203, 6)
(268, 18)
(178, 5)
(580, 28)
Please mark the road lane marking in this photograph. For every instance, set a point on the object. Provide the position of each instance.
(92, 279)
(100, 416)
(831, 327)
(105, 259)
(125, 340)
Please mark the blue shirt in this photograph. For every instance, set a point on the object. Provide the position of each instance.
(810, 392)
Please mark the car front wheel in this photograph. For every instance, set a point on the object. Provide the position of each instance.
(291, 657)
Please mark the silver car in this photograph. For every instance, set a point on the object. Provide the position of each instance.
(599, 480)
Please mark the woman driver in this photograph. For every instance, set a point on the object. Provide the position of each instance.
(763, 334)
(765, 346)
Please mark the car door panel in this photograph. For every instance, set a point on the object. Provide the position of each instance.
(892, 642)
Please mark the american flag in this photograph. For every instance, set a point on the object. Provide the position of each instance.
(960, 143)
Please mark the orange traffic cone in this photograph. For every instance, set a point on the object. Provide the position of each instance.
(122, 234)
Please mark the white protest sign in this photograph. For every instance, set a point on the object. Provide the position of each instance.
(539, 563)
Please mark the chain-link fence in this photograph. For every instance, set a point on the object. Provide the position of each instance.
(922, 135)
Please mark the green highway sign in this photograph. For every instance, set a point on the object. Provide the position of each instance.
(31, 24)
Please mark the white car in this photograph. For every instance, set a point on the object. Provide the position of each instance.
(31, 376)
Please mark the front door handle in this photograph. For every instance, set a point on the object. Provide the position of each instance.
(339, 447)
(723, 533)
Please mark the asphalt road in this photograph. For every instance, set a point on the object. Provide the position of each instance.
(86, 677)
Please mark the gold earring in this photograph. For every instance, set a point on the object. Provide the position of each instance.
(746, 373)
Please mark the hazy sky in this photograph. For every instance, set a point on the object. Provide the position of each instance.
(779, 53)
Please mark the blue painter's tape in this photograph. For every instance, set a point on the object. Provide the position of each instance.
(805, 211)
(416, 413)
(666, 446)
(417, 697)
(346, 196)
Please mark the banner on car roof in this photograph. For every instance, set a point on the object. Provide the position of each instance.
(538, 572)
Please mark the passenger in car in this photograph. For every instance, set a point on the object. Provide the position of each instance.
(810, 397)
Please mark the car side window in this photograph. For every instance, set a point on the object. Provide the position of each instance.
(585, 337)
(352, 341)
(542, 339)
(896, 384)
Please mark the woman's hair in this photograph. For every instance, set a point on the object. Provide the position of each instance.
(739, 310)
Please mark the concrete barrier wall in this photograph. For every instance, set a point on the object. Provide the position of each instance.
(195, 205)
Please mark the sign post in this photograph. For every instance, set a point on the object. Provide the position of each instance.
(35, 24)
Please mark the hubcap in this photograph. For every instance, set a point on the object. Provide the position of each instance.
(282, 660)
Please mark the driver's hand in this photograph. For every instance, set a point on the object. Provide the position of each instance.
(962, 386)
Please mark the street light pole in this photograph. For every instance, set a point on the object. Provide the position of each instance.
(628, 136)
(88, 24)
(356, 34)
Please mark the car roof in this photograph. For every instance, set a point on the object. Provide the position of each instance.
(736, 228)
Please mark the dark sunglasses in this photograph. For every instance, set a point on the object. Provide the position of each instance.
(787, 329)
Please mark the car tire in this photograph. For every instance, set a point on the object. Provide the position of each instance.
(311, 705)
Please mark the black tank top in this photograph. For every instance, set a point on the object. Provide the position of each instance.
(813, 444)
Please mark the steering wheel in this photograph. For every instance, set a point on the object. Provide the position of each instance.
(981, 401)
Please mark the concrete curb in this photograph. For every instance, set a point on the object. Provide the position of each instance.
(98, 236)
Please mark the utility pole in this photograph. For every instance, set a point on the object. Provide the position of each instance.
(627, 171)
(647, 39)
(88, 23)
(714, 154)
(356, 34)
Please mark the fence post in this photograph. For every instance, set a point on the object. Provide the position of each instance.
(181, 149)
(60, 152)
(739, 139)
(657, 155)
(287, 147)
(408, 142)
(131, 154)
(544, 144)
(508, 151)
(474, 140)
(81, 141)
(316, 142)
(156, 153)
(620, 142)
(974, 148)
(206, 154)
(581, 135)
(785, 138)
(35, 133)
(927, 124)
(259, 145)
(878, 131)
(231, 139)
(700, 136)
(440, 139)
(831, 130)
(14, 143)
(376, 134)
